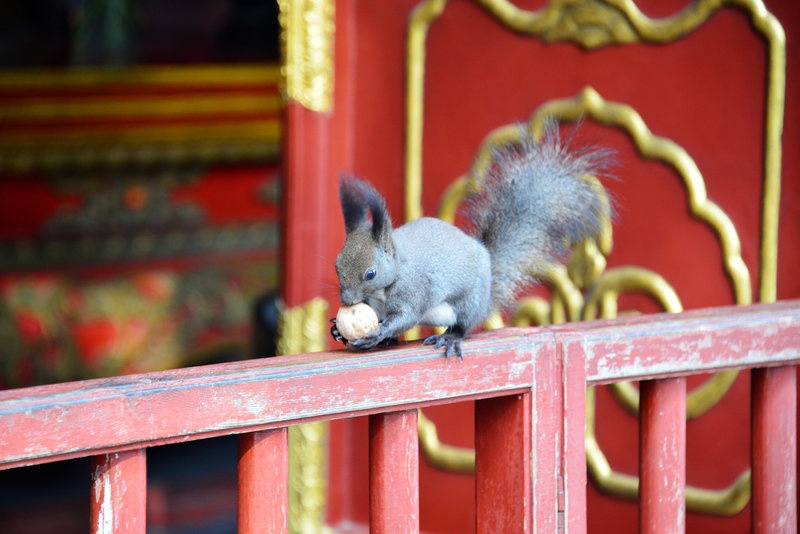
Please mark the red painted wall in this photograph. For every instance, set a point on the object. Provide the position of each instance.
(705, 92)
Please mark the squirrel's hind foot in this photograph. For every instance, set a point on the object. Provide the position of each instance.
(448, 339)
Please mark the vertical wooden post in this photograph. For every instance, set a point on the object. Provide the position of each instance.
(662, 456)
(503, 464)
(118, 501)
(546, 432)
(393, 473)
(774, 449)
(264, 482)
(572, 505)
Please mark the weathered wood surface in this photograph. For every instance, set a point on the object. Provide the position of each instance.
(49, 423)
(118, 500)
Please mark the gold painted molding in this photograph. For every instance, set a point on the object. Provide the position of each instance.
(596, 23)
(304, 329)
(84, 127)
(307, 33)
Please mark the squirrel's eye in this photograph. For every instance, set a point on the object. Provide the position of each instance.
(370, 274)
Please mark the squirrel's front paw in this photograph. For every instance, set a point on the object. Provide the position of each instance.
(369, 341)
(449, 340)
(376, 338)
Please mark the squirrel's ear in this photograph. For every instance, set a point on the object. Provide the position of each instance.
(356, 196)
(381, 220)
(354, 207)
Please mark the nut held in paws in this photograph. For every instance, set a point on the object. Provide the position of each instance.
(353, 322)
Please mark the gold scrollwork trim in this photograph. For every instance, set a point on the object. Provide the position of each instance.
(595, 23)
(727, 501)
(604, 296)
(304, 329)
(307, 33)
(590, 103)
(440, 455)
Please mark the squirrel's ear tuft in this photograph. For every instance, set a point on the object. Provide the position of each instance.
(381, 220)
(358, 196)
(354, 206)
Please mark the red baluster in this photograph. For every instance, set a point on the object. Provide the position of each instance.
(263, 482)
(662, 456)
(118, 501)
(393, 473)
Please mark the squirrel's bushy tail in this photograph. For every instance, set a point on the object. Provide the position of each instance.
(533, 205)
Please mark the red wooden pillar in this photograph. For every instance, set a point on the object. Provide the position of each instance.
(306, 187)
(264, 482)
(393, 473)
(118, 501)
(503, 464)
(662, 456)
(774, 449)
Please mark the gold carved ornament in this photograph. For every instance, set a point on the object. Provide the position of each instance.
(593, 24)
(307, 31)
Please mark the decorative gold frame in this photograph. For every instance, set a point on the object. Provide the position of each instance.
(592, 24)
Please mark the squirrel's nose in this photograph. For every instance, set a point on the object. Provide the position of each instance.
(349, 297)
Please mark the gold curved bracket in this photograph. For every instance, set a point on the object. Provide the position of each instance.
(440, 455)
(590, 103)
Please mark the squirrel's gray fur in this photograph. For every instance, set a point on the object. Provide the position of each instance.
(531, 207)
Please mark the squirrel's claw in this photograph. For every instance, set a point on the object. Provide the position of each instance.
(376, 338)
(335, 333)
(452, 342)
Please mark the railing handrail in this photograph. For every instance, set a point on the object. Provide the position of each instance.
(56, 422)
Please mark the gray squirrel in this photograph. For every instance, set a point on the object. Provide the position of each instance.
(532, 206)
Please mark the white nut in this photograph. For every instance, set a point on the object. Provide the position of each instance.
(354, 322)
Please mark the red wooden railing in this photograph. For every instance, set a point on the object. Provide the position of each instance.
(530, 391)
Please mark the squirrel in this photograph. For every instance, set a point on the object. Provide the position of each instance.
(534, 203)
